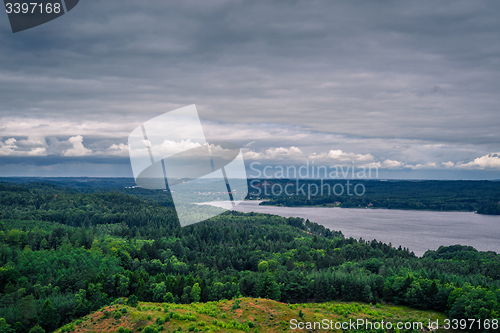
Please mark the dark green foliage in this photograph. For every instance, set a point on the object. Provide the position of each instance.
(4, 327)
(373, 265)
(185, 298)
(168, 298)
(236, 304)
(150, 329)
(458, 252)
(121, 330)
(490, 209)
(268, 288)
(37, 329)
(132, 301)
(49, 318)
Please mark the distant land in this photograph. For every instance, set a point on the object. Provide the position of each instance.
(481, 196)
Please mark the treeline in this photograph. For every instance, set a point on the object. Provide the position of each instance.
(46, 202)
(51, 273)
(480, 196)
(441, 195)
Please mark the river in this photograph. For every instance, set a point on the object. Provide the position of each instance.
(416, 230)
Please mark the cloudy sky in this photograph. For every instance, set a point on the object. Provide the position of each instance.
(412, 88)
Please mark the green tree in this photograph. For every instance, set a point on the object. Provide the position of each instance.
(186, 295)
(4, 327)
(123, 286)
(83, 305)
(44, 244)
(141, 290)
(49, 318)
(132, 301)
(150, 329)
(195, 293)
(373, 265)
(268, 288)
(367, 294)
(263, 266)
(37, 329)
(26, 310)
(475, 302)
(159, 290)
(168, 298)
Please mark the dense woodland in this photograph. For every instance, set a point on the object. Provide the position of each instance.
(65, 253)
(441, 195)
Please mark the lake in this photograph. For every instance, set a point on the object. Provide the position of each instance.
(417, 230)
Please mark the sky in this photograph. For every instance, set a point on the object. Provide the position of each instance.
(411, 88)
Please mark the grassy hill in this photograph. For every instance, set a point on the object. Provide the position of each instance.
(241, 315)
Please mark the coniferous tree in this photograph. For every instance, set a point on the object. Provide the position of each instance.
(49, 318)
(37, 329)
(268, 288)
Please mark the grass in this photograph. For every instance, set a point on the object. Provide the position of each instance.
(241, 315)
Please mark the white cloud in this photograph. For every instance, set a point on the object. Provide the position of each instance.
(120, 149)
(490, 161)
(78, 147)
(428, 165)
(340, 156)
(13, 147)
(275, 154)
(391, 164)
(169, 147)
(386, 164)
(38, 152)
(8, 147)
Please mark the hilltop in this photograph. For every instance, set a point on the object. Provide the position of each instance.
(239, 315)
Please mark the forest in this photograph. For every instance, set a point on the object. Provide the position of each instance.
(482, 196)
(69, 250)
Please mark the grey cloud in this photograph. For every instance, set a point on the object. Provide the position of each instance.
(370, 76)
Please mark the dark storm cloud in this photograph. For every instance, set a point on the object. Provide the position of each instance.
(384, 70)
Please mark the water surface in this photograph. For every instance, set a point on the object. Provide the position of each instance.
(417, 230)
